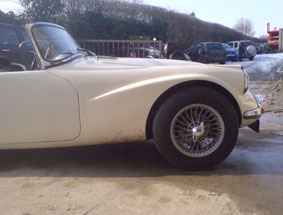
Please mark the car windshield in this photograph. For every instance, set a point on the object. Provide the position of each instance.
(214, 46)
(54, 43)
(225, 46)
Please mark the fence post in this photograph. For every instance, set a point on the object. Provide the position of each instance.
(160, 49)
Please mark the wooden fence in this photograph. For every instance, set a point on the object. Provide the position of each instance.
(124, 48)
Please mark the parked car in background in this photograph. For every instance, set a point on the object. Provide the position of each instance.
(249, 49)
(261, 48)
(232, 54)
(148, 52)
(15, 48)
(208, 52)
(173, 50)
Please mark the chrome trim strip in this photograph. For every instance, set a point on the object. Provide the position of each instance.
(253, 114)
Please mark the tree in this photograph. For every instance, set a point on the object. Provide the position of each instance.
(263, 38)
(137, 1)
(11, 18)
(42, 10)
(193, 14)
(245, 26)
(160, 29)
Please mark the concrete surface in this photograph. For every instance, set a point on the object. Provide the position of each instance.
(131, 178)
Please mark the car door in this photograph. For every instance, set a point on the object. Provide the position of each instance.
(26, 48)
(37, 106)
(215, 51)
(9, 44)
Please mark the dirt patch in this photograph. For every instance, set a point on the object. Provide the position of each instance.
(270, 94)
(109, 196)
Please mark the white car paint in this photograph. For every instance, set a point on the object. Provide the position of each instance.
(37, 106)
(95, 100)
(112, 96)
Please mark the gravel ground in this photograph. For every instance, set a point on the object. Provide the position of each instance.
(270, 94)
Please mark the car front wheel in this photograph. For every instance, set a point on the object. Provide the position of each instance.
(196, 128)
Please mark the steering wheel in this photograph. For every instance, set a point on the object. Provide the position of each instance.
(34, 63)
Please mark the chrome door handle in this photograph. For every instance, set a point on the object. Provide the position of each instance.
(5, 50)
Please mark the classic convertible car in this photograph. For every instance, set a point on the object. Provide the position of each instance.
(72, 97)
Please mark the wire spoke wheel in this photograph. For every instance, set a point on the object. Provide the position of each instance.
(197, 130)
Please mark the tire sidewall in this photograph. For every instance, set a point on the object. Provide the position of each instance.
(196, 95)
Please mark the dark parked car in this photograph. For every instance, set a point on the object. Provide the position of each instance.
(16, 52)
(232, 54)
(207, 53)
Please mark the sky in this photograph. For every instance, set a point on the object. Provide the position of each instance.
(227, 12)
(10, 5)
(222, 12)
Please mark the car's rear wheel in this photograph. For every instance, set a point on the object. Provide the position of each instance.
(196, 128)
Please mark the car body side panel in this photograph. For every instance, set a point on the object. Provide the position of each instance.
(118, 119)
(37, 107)
(115, 103)
(116, 96)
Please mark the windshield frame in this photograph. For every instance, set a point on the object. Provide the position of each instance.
(51, 63)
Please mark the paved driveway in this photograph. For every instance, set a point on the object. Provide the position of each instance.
(131, 178)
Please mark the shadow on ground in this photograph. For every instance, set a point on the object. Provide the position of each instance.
(252, 155)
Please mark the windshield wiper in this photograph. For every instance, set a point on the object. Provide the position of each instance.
(68, 52)
(89, 53)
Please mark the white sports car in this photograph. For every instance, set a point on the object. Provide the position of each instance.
(72, 97)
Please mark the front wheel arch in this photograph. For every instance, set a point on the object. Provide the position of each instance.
(185, 85)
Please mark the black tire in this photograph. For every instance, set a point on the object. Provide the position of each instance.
(177, 55)
(16, 68)
(222, 62)
(199, 60)
(180, 100)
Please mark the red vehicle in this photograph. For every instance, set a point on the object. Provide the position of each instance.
(273, 38)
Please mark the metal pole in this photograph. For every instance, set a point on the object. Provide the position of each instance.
(160, 49)
(280, 40)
